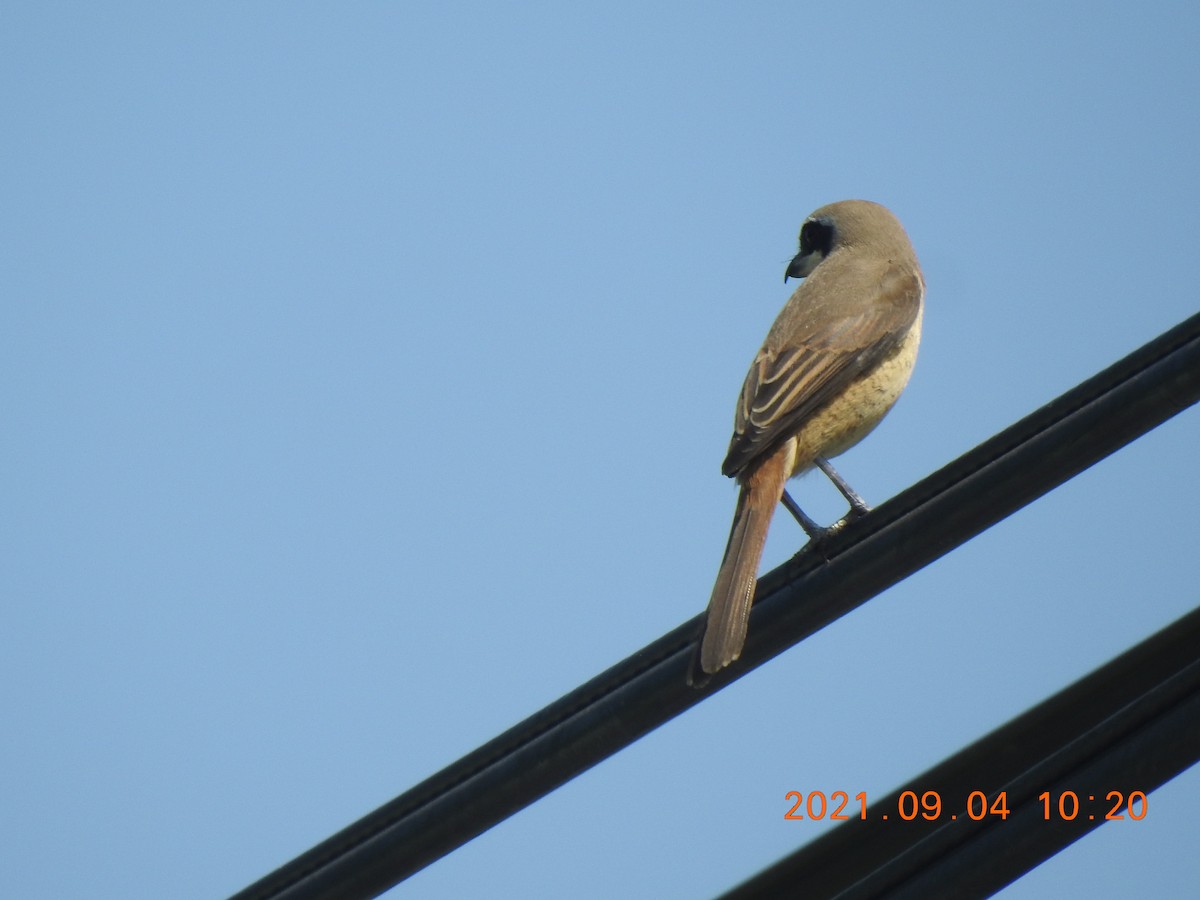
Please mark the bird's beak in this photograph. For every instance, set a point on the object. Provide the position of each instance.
(801, 265)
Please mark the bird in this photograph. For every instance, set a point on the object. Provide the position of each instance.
(832, 365)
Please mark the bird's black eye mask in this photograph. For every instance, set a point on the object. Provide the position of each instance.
(816, 236)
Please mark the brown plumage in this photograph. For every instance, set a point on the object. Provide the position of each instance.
(837, 357)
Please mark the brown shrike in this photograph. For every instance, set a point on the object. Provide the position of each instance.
(834, 362)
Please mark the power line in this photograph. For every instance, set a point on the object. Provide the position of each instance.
(1129, 726)
(614, 709)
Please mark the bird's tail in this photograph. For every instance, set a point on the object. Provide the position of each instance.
(729, 607)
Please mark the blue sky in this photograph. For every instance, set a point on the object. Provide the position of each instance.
(366, 373)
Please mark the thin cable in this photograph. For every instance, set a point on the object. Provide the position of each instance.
(800, 597)
(1129, 726)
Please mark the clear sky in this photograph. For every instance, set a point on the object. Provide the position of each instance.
(366, 371)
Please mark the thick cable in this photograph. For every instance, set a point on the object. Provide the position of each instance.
(592, 722)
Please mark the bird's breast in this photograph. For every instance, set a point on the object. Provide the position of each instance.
(851, 416)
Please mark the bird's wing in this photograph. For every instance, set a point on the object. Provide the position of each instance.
(785, 387)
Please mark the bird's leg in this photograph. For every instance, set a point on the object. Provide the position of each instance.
(814, 531)
(858, 506)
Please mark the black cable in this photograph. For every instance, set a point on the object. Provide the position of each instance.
(637, 695)
(1129, 726)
